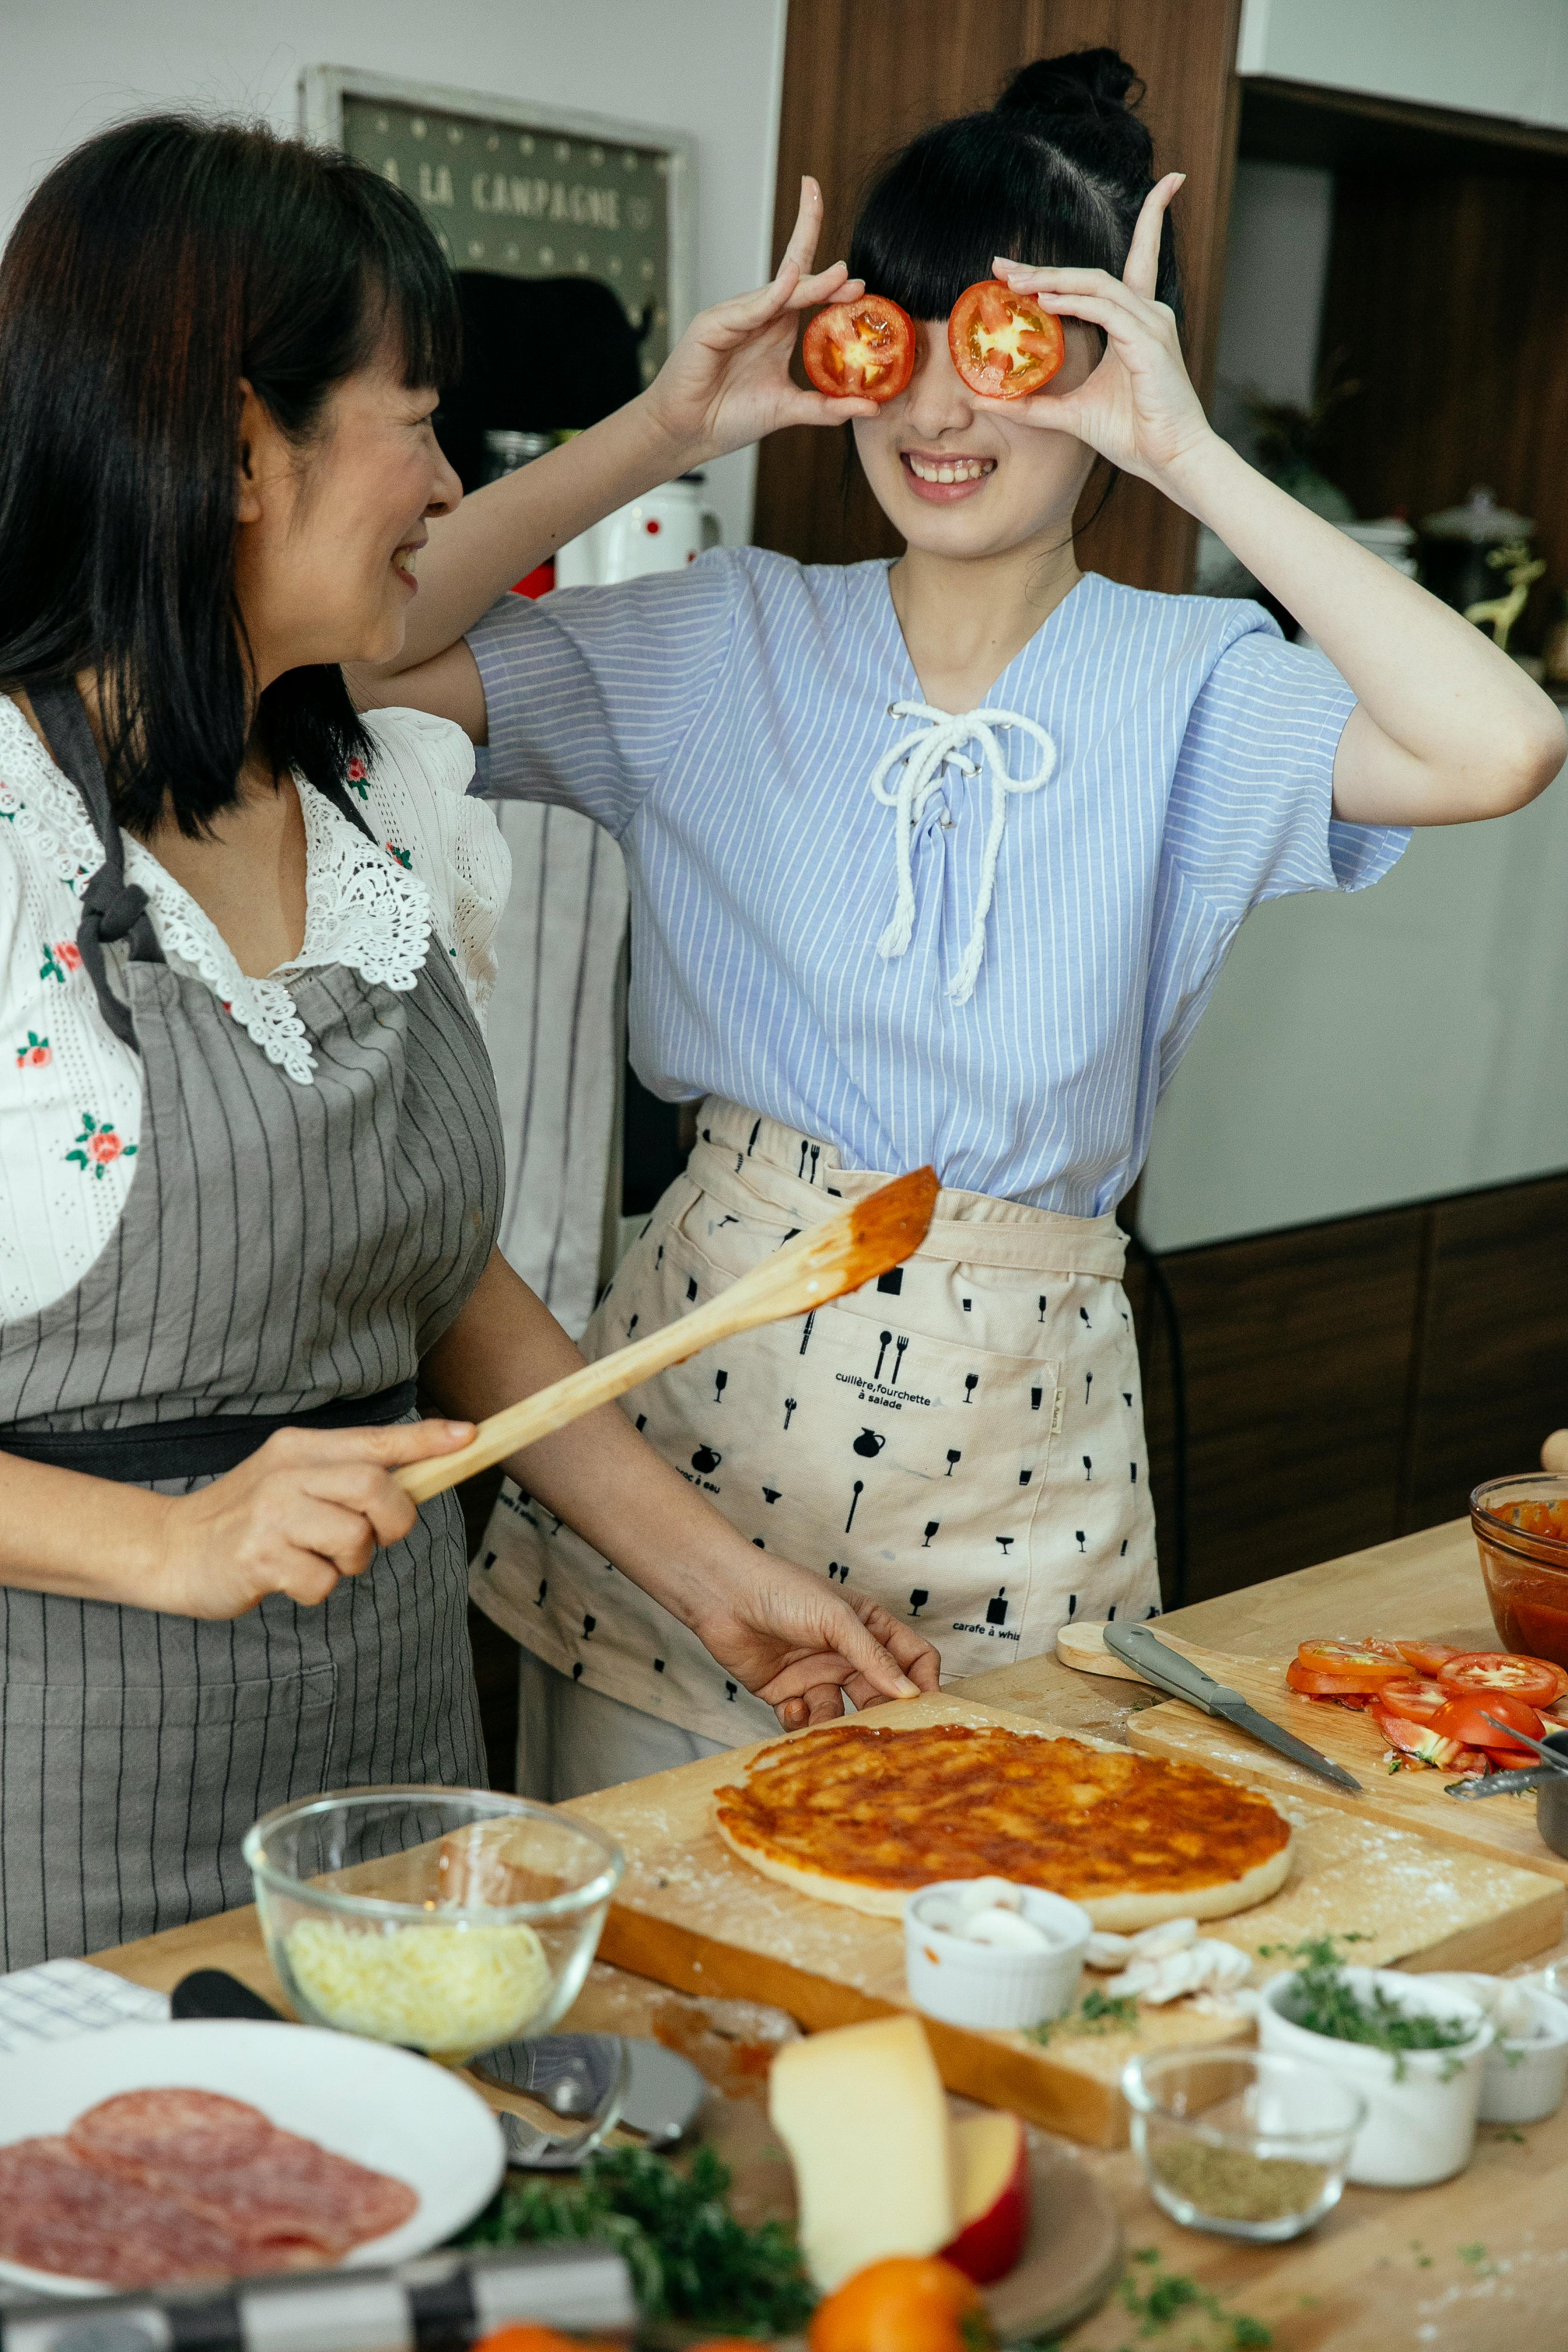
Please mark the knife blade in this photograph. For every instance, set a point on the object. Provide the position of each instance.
(1169, 1671)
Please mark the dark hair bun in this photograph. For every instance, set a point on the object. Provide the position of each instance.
(1079, 83)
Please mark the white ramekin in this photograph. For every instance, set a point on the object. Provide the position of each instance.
(1421, 2107)
(979, 1984)
(1522, 2082)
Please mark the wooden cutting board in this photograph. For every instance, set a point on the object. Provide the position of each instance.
(1501, 1827)
(689, 1914)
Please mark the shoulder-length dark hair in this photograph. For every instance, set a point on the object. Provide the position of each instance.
(154, 268)
(1054, 174)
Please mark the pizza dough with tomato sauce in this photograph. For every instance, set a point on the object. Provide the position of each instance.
(864, 1817)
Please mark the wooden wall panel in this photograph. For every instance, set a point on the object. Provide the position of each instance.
(1297, 1349)
(1448, 292)
(1492, 1371)
(860, 79)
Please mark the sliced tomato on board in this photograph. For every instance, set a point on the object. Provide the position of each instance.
(1003, 345)
(1474, 1719)
(860, 351)
(1425, 1743)
(1415, 1698)
(1426, 1656)
(1310, 1685)
(1535, 1680)
(1353, 1665)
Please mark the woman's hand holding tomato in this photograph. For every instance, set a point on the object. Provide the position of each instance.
(1138, 408)
(727, 382)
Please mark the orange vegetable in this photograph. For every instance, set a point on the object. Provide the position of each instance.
(527, 2335)
(910, 2303)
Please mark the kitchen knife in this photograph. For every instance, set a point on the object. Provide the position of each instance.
(1169, 1671)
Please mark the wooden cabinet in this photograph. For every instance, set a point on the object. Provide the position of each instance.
(1508, 58)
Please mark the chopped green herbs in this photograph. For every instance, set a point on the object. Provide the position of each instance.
(1325, 2001)
(687, 2255)
(1097, 2013)
(1157, 2298)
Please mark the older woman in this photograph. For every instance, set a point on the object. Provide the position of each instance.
(249, 1161)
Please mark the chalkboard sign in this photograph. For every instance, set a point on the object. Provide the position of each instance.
(518, 191)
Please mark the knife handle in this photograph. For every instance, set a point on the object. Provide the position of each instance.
(1166, 1668)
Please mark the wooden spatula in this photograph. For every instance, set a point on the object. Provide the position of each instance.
(826, 1260)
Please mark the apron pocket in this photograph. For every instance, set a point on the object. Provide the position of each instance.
(122, 1805)
(909, 1465)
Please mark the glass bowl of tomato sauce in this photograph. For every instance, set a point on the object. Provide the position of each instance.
(1522, 1533)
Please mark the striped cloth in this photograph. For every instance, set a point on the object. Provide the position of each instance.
(557, 1025)
(725, 723)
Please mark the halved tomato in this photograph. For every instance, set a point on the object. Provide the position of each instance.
(1003, 345)
(1414, 1697)
(1356, 1666)
(1425, 1743)
(1475, 1720)
(1535, 1680)
(1426, 1656)
(860, 351)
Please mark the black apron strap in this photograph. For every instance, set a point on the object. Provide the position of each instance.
(111, 908)
(202, 1447)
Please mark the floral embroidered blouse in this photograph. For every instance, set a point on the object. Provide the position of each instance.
(70, 1092)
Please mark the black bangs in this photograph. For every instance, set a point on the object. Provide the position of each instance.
(936, 216)
(408, 290)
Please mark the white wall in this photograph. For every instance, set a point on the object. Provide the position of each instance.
(1484, 56)
(1400, 1043)
(710, 67)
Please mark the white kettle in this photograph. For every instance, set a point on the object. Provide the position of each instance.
(663, 531)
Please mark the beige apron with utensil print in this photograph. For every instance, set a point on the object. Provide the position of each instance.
(962, 1440)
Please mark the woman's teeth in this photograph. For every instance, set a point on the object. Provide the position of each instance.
(954, 470)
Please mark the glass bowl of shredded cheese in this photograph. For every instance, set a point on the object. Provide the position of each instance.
(445, 1920)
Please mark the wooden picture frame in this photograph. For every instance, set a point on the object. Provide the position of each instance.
(527, 190)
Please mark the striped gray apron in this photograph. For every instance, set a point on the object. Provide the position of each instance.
(287, 1254)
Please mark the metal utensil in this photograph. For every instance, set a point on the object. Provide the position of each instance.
(606, 2077)
(1500, 1784)
(1169, 1671)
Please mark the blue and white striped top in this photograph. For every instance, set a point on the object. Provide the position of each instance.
(724, 723)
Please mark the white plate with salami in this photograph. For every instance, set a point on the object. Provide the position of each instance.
(149, 2154)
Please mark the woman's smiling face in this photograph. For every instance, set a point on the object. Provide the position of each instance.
(330, 534)
(957, 476)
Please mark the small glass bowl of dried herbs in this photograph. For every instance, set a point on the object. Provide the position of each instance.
(1241, 2142)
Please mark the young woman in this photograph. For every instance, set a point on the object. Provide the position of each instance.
(938, 861)
(251, 1163)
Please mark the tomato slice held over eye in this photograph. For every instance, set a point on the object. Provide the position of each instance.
(1003, 345)
(1426, 1656)
(1415, 1698)
(1536, 1680)
(860, 351)
(1359, 1666)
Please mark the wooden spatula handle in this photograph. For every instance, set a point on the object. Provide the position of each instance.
(566, 1401)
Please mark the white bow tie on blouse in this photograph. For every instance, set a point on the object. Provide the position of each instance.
(925, 752)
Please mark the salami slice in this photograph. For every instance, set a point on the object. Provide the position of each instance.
(201, 2126)
(58, 2214)
(284, 2201)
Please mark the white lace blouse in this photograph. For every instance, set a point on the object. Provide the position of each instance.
(70, 1092)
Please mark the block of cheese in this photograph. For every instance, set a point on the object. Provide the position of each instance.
(864, 2116)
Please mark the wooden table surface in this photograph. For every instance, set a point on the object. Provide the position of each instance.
(1478, 2265)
